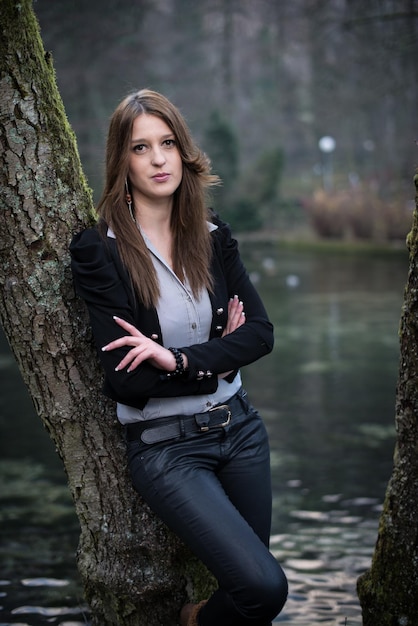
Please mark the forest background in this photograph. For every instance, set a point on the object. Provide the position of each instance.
(260, 83)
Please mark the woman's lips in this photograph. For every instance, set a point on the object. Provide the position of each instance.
(161, 178)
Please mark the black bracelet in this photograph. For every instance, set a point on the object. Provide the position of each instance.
(180, 369)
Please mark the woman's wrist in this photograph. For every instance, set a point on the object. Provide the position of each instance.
(180, 360)
(185, 361)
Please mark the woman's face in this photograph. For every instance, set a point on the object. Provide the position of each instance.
(155, 165)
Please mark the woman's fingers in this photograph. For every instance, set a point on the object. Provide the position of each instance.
(236, 315)
(135, 340)
(134, 356)
(130, 328)
(126, 340)
(142, 349)
(241, 320)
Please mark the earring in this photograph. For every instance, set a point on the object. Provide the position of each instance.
(128, 199)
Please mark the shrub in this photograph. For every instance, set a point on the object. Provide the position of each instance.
(359, 214)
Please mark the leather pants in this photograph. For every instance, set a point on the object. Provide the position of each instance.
(213, 490)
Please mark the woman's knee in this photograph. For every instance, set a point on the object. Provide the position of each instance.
(266, 594)
(276, 592)
(273, 593)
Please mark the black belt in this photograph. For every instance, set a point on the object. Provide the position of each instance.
(165, 428)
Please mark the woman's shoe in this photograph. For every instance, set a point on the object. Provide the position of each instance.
(188, 614)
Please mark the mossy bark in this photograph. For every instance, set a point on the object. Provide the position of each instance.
(134, 571)
(388, 592)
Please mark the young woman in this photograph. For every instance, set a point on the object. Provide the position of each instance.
(166, 292)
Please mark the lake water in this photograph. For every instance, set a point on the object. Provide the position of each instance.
(327, 394)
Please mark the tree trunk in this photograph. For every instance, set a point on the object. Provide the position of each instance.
(133, 569)
(388, 592)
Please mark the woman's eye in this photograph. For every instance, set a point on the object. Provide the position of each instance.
(139, 147)
(170, 142)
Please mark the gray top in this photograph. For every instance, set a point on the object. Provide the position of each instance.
(184, 320)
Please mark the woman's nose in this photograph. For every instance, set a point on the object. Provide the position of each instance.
(158, 157)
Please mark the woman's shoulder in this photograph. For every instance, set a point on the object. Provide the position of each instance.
(94, 254)
(215, 219)
(90, 242)
(222, 229)
(86, 235)
(222, 234)
(94, 264)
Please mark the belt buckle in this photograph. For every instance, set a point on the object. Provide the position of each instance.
(202, 419)
(228, 419)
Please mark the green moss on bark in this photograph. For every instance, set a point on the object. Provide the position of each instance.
(388, 591)
(29, 85)
(133, 570)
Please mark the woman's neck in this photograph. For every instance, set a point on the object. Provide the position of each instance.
(155, 223)
(155, 216)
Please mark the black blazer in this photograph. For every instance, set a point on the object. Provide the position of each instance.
(103, 282)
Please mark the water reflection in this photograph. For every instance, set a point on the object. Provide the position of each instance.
(327, 395)
(323, 553)
(328, 398)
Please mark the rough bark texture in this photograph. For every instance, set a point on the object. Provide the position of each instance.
(388, 592)
(134, 571)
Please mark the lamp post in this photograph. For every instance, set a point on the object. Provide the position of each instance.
(327, 146)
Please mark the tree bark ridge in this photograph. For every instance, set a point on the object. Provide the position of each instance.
(133, 569)
(388, 591)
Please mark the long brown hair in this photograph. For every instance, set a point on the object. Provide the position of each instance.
(191, 237)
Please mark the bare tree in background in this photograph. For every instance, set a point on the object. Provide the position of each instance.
(133, 570)
(282, 74)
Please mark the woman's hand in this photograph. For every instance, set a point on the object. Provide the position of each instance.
(145, 349)
(236, 318)
(142, 349)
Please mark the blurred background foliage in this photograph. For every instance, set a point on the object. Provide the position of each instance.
(260, 83)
